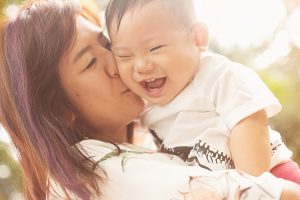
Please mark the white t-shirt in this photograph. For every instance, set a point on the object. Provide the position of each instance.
(139, 174)
(196, 125)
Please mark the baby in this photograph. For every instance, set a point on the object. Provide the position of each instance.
(203, 107)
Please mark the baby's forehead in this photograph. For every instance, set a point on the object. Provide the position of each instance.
(172, 7)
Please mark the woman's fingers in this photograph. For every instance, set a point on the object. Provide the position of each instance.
(201, 193)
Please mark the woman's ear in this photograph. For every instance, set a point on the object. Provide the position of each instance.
(70, 117)
(200, 36)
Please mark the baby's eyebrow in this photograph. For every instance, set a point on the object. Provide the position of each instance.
(118, 48)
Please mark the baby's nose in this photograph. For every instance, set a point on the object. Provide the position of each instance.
(142, 65)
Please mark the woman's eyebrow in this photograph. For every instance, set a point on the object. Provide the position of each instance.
(81, 52)
(100, 37)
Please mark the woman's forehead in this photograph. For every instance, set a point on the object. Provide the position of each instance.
(87, 33)
(85, 27)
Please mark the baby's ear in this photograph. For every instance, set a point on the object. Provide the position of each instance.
(200, 36)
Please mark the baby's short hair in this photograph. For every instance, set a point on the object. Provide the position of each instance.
(182, 9)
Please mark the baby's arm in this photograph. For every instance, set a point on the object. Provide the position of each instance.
(250, 144)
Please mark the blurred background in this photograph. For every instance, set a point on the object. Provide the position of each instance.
(262, 34)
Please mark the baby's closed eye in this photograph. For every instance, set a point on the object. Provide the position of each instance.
(156, 48)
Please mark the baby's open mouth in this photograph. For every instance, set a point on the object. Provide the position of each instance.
(153, 84)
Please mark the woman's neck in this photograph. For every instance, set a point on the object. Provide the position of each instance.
(116, 135)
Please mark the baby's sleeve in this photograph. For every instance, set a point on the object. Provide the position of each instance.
(239, 92)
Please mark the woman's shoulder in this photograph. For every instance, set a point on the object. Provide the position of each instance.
(100, 146)
(99, 150)
(106, 154)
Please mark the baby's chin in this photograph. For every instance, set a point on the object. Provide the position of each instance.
(158, 101)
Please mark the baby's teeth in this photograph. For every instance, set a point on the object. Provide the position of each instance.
(150, 80)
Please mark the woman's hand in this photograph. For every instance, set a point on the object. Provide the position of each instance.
(201, 193)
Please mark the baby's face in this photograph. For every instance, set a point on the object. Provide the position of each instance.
(156, 56)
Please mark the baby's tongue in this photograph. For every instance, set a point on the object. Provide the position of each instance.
(155, 84)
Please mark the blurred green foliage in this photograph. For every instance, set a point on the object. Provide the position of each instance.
(11, 184)
(2, 5)
(285, 85)
(283, 78)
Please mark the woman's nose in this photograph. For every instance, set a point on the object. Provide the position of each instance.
(111, 69)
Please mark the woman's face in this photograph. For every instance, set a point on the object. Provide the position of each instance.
(89, 77)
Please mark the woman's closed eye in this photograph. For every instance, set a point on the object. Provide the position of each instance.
(91, 63)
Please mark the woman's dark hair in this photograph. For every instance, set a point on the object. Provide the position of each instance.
(33, 103)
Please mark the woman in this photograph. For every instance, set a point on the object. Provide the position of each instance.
(59, 86)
